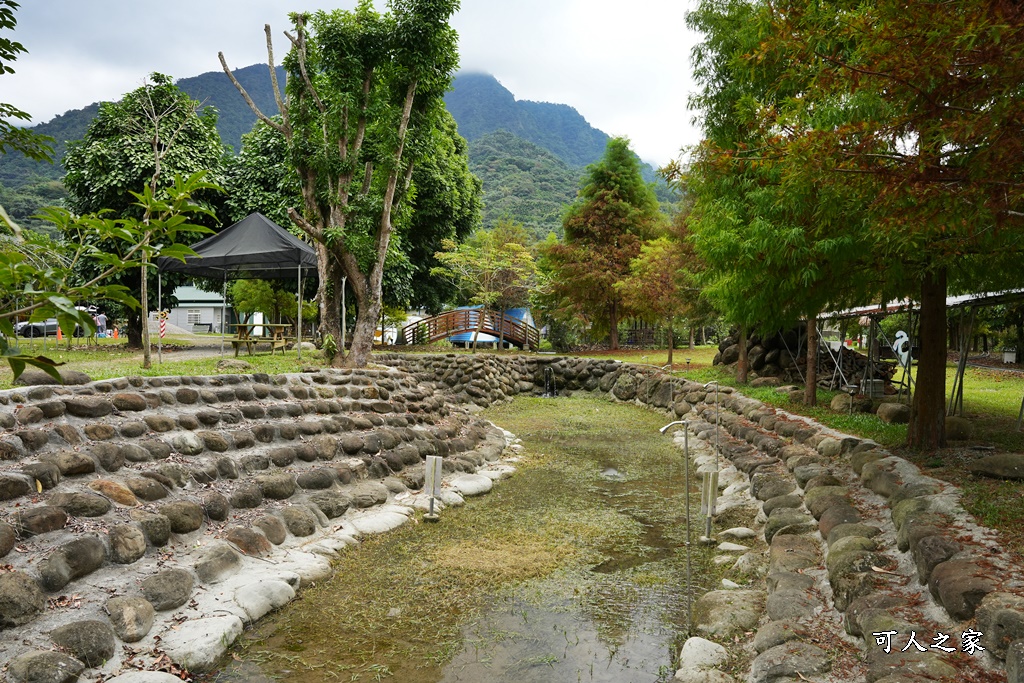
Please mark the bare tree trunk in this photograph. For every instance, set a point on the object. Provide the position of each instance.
(479, 326)
(366, 324)
(671, 343)
(742, 366)
(613, 321)
(927, 429)
(811, 388)
(147, 361)
(691, 338)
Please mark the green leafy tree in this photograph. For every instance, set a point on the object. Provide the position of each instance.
(913, 111)
(494, 269)
(614, 212)
(775, 238)
(14, 137)
(362, 87)
(40, 279)
(153, 134)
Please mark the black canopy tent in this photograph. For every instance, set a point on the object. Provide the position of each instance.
(254, 247)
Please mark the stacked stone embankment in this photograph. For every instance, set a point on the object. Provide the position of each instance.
(150, 517)
(851, 541)
(146, 521)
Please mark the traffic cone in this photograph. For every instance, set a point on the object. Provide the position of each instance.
(59, 335)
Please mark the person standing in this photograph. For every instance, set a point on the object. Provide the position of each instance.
(101, 323)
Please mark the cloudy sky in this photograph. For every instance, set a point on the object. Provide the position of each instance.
(623, 66)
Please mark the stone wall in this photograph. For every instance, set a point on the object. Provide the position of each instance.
(138, 514)
(142, 517)
(850, 541)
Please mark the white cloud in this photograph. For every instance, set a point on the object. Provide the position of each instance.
(624, 67)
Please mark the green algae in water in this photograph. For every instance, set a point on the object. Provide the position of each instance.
(505, 588)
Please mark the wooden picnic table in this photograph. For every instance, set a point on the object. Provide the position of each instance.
(278, 338)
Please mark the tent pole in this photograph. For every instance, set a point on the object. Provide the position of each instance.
(160, 308)
(298, 336)
(223, 312)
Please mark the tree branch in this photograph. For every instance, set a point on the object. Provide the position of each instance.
(273, 76)
(248, 100)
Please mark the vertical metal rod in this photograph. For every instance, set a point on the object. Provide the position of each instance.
(686, 478)
(344, 281)
(223, 313)
(160, 308)
(298, 336)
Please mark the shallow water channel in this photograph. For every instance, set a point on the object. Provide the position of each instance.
(572, 570)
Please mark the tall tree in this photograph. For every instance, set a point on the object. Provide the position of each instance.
(14, 137)
(918, 109)
(145, 140)
(360, 84)
(614, 212)
(777, 241)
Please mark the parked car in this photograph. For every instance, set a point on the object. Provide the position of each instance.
(48, 327)
(44, 328)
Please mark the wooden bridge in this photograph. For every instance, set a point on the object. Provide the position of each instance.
(465, 320)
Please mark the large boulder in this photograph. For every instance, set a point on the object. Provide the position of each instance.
(894, 413)
(168, 589)
(1000, 466)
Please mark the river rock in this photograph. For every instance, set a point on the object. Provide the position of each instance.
(218, 562)
(185, 515)
(131, 617)
(789, 659)
(14, 486)
(91, 642)
(215, 505)
(790, 604)
(894, 413)
(21, 599)
(168, 589)
(262, 597)
(119, 493)
(469, 485)
(81, 504)
(127, 543)
(44, 666)
(1000, 465)
(699, 653)
(1000, 617)
(723, 613)
(39, 520)
(8, 537)
(960, 586)
(72, 560)
(198, 644)
(368, 493)
(249, 541)
(88, 406)
(147, 677)
(146, 489)
(299, 520)
(788, 518)
(273, 527)
(156, 527)
(277, 486)
(776, 633)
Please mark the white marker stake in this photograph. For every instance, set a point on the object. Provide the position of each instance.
(432, 484)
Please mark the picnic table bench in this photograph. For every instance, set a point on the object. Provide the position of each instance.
(278, 338)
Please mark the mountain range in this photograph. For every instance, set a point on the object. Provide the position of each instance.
(530, 156)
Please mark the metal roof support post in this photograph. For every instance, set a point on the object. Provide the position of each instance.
(223, 312)
(298, 336)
